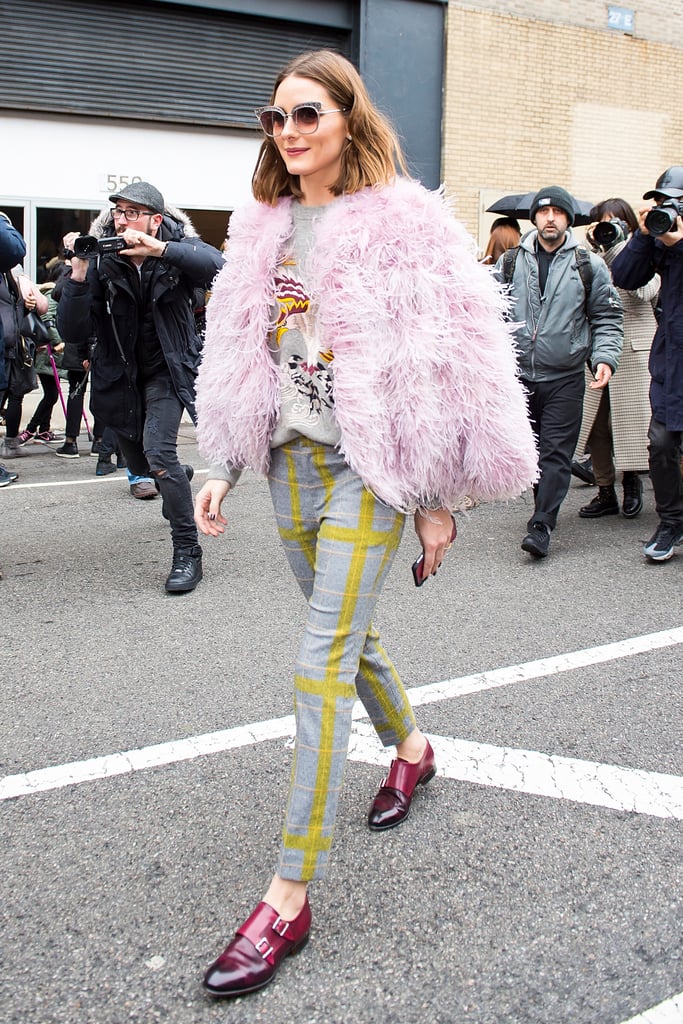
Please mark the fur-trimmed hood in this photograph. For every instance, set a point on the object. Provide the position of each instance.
(426, 395)
(175, 224)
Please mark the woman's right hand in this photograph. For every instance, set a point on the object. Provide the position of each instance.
(207, 507)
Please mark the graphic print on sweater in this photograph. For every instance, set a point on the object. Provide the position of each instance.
(305, 370)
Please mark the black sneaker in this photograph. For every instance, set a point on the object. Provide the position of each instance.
(660, 546)
(537, 540)
(605, 503)
(69, 450)
(186, 570)
(104, 467)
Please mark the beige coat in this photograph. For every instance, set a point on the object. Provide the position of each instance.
(630, 385)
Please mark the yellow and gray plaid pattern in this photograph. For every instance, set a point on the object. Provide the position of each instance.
(340, 542)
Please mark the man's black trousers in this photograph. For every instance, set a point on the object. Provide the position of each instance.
(555, 411)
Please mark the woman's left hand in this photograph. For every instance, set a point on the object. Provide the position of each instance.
(435, 530)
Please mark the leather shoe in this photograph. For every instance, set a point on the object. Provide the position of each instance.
(391, 806)
(632, 504)
(584, 470)
(251, 960)
(143, 489)
(537, 540)
(186, 570)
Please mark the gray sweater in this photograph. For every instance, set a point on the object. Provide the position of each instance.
(306, 398)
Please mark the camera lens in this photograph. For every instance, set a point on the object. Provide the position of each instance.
(85, 246)
(660, 220)
(606, 233)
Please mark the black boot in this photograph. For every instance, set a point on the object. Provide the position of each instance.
(633, 495)
(603, 504)
(186, 570)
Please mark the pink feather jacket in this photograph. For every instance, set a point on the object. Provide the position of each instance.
(426, 394)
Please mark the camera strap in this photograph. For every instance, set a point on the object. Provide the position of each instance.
(110, 289)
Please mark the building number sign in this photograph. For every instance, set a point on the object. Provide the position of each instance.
(621, 19)
(117, 182)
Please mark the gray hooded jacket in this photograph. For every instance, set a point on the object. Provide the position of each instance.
(563, 329)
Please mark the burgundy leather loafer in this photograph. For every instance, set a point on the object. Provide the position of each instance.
(392, 803)
(260, 945)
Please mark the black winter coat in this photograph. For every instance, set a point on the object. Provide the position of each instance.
(635, 265)
(109, 307)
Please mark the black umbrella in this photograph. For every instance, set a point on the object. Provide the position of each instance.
(518, 205)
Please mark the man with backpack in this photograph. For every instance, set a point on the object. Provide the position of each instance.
(567, 314)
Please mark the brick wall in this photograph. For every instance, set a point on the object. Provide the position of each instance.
(659, 21)
(534, 102)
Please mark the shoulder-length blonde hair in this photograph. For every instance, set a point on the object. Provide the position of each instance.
(370, 157)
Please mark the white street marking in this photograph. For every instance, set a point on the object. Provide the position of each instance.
(604, 784)
(668, 1012)
(527, 771)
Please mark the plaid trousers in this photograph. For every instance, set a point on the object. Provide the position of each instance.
(340, 542)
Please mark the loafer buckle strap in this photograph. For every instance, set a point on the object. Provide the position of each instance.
(263, 948)
(271, 936)
(280, 927)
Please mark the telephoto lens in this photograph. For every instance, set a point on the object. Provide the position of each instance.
(607, 233)
(662, 218)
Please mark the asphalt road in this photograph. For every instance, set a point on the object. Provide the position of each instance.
(495, 903)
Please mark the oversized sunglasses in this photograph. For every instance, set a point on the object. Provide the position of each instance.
(305, 117)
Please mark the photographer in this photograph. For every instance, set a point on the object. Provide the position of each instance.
(615, 419)
(657, 248)
(132, 287)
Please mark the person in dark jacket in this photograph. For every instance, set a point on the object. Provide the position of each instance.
(567, 314)
(650, 252)
(138, 303)
(12, 252)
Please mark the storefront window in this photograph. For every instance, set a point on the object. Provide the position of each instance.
(51, 226)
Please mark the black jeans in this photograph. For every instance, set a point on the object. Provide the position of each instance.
(555, 410)
(42, 416)
(74, 403)
(156, 455)
(665, 472)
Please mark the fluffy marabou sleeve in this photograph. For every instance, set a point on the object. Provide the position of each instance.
(237, 384)
(426, 388)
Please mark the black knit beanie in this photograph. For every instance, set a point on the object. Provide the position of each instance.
(553, 195)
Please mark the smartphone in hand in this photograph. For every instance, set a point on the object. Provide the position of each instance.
(418, 564)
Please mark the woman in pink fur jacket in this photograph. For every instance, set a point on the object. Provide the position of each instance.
(357, 354)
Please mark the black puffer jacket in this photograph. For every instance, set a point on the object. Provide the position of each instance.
(113, 304)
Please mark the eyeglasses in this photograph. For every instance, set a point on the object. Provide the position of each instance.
(305, 117)
(130, 215)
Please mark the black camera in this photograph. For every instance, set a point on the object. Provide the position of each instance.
(662, 218)
(607, 233)
(87, 247)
